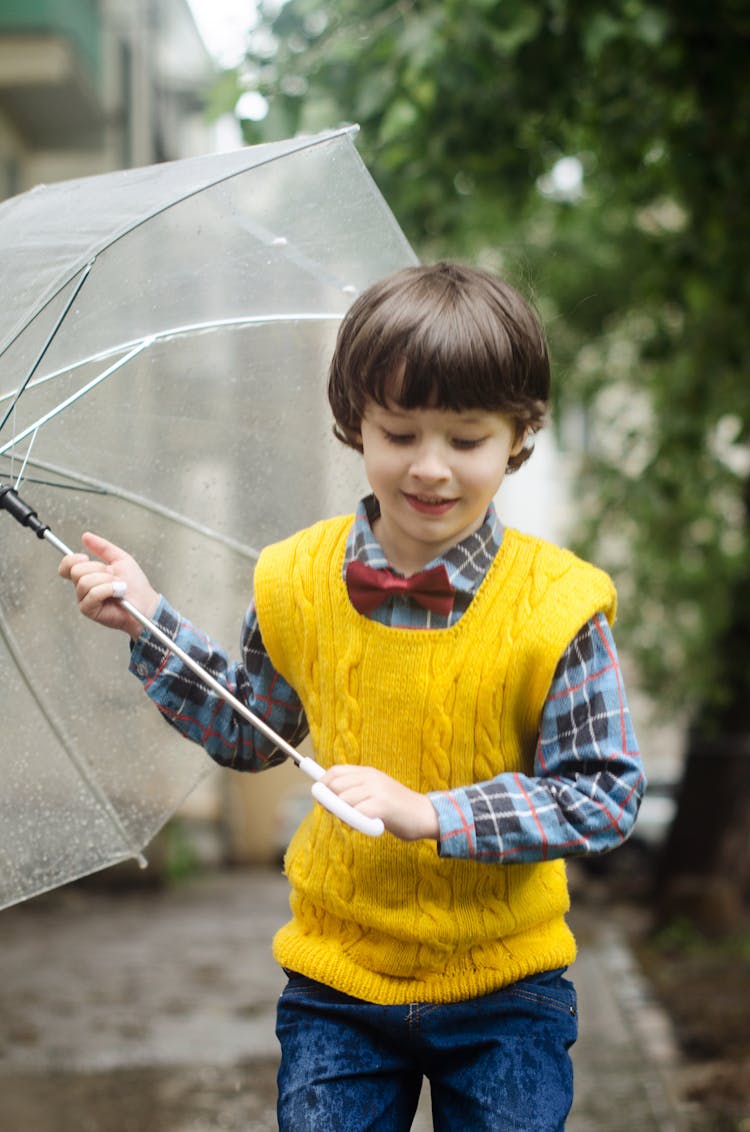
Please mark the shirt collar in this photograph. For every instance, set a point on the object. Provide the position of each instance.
(467, 562)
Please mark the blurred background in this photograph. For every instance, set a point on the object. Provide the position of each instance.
(597, 155)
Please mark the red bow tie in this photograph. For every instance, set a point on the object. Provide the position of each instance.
(369, 588)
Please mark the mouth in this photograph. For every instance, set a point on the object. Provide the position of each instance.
(430, 504)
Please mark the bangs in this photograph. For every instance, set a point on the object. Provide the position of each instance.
(440, 373)
(459, 355)
(439, 337)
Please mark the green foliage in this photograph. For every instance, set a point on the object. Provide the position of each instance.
(180, 857)
(465, 106)
(682, 938)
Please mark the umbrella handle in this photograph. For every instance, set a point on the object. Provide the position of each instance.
(373, 827)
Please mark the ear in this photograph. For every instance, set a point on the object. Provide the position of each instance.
(522, 435)
(354, 440)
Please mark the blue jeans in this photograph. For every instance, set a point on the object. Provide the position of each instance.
(499, 1062)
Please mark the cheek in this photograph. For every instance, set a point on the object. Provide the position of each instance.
(485, 474)
(378, 468)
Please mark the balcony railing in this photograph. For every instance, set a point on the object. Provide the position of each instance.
(50, 65)
(75, 20)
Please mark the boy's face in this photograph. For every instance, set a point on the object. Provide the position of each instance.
(434, 472)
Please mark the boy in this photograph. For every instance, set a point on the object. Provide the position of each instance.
(460, 681)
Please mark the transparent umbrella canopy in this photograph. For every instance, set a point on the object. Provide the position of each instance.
(163, 354)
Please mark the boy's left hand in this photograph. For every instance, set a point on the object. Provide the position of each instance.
(404, 812)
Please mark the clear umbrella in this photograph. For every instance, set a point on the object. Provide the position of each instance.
(163, 351)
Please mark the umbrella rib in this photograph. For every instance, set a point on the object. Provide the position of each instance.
(81, 767)
(101, 487)
(26, 459)
(92, 253)
(35, 425)
(304, 143)
(58, 323)
(134, 346)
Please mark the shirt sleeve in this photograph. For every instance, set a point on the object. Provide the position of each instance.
(198, 712)
(588, 780)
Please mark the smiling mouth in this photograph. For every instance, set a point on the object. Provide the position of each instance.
(430, 504)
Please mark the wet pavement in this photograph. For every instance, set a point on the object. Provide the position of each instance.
(153, 1011)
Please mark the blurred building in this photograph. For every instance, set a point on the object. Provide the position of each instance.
(87, 86)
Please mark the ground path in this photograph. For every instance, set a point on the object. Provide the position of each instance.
(153, 1011)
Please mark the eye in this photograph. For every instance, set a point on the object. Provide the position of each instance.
(398, 437)
(465, 444)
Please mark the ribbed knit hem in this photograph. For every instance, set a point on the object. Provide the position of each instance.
(324, 960)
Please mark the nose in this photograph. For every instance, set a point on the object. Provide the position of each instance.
(429, 463)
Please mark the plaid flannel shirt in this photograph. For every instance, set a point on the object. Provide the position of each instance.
(587, 781)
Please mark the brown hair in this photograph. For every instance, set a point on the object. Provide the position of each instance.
(458, 337)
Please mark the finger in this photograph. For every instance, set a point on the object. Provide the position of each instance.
(350, 770)
(68, 562)
(93, 589)
(102, 548)
(89, 571)
(94, 597)
(341, 778)
(354, 789)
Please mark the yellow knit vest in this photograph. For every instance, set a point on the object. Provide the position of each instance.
(382, 919)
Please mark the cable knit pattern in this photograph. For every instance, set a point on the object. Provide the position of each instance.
(381, 919)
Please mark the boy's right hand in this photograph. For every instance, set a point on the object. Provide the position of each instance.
(98, 583)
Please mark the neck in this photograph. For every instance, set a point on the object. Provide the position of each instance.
(406, 561)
